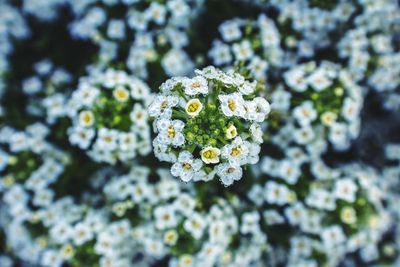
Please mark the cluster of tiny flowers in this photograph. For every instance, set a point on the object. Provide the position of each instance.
(152, 32)
(166, 215)
(323, 103)
(209, 125)
(370, 49)
(46, 90)
(29, 166)
(333, 211)
(254, 44)
(116, 152)
(13, 26)
(109, 116)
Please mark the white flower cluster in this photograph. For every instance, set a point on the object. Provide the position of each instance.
(155, 32)
(141, 222)
(13, 25)
(323, 103)
(109, 116)
(335, 211)
(312, 180)
(47, 90)
(256, 44)
(28, 167)
(208, 125)
(370, 49)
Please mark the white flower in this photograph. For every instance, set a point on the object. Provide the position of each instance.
(186, 167)
(305, 113)
(229, 173)
(328, 118)
(232, 105)
(346, 189)
(230, 30)
(165, 217)
(333, 236)
(348, 215)
(351, 109)
(303, 135)
(86, 118)
(289, 171)
(113, 78)
(162, 106)
(82, 234)
(319, 80)
(171, 237)
(171, 132)
(107, 139)
(220, 53)
(276, 193)
(195, 86)
(139, 115)
(280, 100)
(257, 109)
(116, 29)
(156, 12)
(296, 213)
(243, 50)
(176, 63)
(338, 134)
(295, 78)
(321, 199)
(250, 223)
(195, 225)
(193, 107)
(61, 232)
(210, 155)
(127, 141)
(51, 258)
(82, 137)
(231, 132)
(236, 152)
(121, 94)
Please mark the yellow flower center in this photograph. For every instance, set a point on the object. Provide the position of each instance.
(87, 117)
(171, 132)
(196, 85)
(209, 154)
(232, 104)
(193, 107)
(236, 151)
(121, 94)
(186, 166)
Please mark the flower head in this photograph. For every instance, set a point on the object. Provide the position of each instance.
(109, 117)
(214, 117)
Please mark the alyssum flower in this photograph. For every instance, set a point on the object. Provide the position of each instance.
(109, 118)
(208, 125)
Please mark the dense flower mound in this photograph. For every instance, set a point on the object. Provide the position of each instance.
(255, 45)
(142, 221)
(109, 117)
(332, 211)
(119, 147)
(323, 102)
(152, 33)
(209, 125)
(28, 167)
(46, 90)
